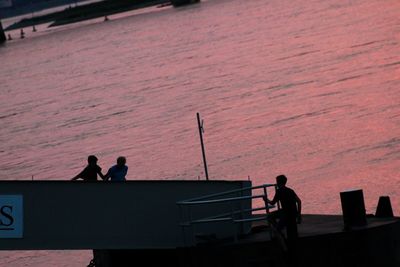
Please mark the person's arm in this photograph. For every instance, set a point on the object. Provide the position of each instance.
(78, 175)
(100, 173)
(125, 172)
(273, 201)
(298, 200)
(107, 176)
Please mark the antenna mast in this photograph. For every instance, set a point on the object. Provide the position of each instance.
(201, 131)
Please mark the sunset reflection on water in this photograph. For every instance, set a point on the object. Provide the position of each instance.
(310, 90)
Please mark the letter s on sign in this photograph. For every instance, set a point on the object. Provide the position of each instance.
(9, 219)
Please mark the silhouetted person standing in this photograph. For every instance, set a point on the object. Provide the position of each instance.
(289, 214)
(91, 171)
(117, 172)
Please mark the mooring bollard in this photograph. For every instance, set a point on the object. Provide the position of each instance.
(384, 208)
(353, 208)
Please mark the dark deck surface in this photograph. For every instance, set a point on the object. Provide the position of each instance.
(322, 242)
(313, 225)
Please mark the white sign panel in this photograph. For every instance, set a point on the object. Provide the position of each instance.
(11, 216)
(5, 3)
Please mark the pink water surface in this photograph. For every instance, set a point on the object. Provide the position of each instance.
(305, 88)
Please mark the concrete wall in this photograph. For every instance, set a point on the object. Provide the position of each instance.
(105, 215)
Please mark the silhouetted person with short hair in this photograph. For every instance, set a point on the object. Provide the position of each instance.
(289, 214)
(91, 171)
(117, 172)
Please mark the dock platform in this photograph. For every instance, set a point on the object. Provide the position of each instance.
(188, 224)
(322, 242)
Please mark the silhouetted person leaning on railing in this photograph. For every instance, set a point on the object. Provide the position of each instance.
(117, 172)
(289, 214)
(91, 171)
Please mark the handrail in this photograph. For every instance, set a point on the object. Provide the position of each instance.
(212, 220)
(255, 218)
(201, 201)
(223, 215)
(184, 202)
(218, 200)
(237, 215)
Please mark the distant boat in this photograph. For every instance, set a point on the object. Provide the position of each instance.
(177, 3)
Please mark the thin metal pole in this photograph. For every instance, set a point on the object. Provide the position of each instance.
(201, 130)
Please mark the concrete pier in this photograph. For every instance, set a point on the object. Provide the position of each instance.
(2, 34)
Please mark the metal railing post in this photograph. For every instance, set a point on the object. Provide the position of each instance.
(266, 200)
(236, 213)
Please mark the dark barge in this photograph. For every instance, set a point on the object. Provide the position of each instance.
(148, 223)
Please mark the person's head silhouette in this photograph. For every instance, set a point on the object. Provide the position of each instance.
(92, 160)
(121, 161)
(281, 180)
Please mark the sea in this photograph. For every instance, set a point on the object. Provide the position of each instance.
(309, 89)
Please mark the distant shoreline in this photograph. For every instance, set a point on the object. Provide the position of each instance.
(86, 12)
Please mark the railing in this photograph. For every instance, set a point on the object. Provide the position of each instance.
(236, 210)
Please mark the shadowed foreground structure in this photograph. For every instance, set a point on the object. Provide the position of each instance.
(322, 242)
(127, 223)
